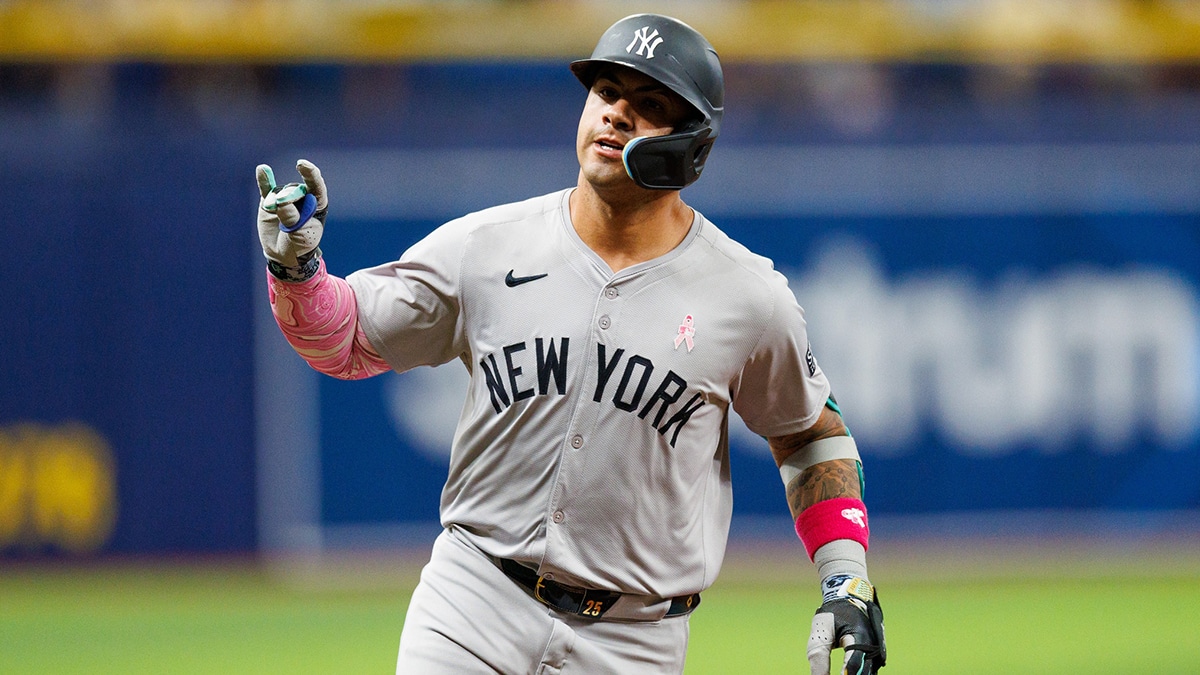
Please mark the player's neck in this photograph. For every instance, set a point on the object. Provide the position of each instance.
(626, 231)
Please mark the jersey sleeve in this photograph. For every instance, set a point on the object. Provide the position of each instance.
(781, 389)
(411, 309)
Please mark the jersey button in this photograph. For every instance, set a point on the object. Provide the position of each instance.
(605, 322)
(577, 441)
(559, 516)
(610, 293)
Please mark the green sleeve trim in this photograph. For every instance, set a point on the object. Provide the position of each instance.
(832, 404)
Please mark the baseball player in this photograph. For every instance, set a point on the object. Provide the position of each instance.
(608, 330)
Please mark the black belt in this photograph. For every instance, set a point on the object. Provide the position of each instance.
(582, 601)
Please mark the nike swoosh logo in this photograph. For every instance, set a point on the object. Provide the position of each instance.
(512, 281)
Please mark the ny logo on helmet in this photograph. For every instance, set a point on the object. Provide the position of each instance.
(649, 41)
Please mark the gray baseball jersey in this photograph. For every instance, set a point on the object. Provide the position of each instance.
(593, 442)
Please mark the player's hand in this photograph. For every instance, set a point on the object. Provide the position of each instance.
(850, 617)
(291, 218)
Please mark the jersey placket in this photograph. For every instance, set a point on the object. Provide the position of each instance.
(580, 433)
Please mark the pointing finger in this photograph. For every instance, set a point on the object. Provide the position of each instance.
(266, 179)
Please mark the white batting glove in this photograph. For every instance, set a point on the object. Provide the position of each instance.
(850, 618)
(291, 219)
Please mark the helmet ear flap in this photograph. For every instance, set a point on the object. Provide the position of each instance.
(670, 162)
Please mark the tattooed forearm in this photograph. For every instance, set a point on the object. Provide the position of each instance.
(828, 425)
(827, 480)
(821, 481)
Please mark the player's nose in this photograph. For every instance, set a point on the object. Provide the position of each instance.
(619, 115)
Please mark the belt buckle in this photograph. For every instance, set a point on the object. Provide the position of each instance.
(582, 602)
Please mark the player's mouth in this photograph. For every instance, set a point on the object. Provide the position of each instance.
(609, 146)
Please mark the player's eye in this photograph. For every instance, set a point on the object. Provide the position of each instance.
(656, 109)
(607, 92)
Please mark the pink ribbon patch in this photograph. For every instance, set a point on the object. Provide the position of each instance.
(687, 331)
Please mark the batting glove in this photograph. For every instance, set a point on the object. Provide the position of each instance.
(850, 617)
(291, 219)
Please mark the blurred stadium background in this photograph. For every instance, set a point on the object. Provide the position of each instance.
(989, 208)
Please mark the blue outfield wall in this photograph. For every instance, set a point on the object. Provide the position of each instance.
(1001, 272)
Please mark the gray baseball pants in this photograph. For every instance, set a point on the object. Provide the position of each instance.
(466, 616)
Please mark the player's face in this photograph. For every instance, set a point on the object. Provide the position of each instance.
(623, 104)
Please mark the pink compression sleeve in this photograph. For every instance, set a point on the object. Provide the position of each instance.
(319, 318)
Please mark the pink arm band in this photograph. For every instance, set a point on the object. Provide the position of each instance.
(319, 318)
(840, 518)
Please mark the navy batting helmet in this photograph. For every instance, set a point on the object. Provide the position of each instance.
(678, 57)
